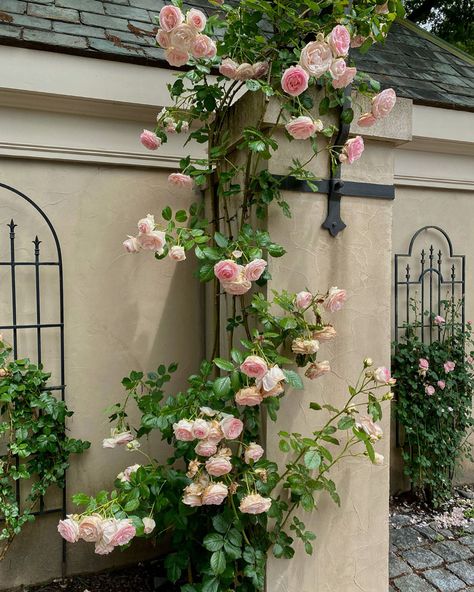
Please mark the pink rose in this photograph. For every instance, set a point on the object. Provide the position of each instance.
(303, 127)
(260, 69)
(117, 439)
(345, 79)
(124, 533)
(193, 495)
(214, 494)
(271, 379)
(180, 180)
(249, 397)
(317, 369)
(449, 366)
(203, 46)
(254, 269)
(227, 270)
(429, 390)
(177, 253)
(439, 320)
(316, 58)
(294, 81)
(357, 41)
(441, 384)
(373, 430)
(148, 525)
(382, 375)
(69, 530)
(103, 546)
(303, 299)
(231, 427)
(90, 528)
(423, 364)
(176, 57)
(244, 72)
(131, 244)
(182, 37)
(206, 448)
(200, 429)
(325, 334)
(215, 432)
(150, 140)
(218, 466)
(196, 19)
(339, 40)
(163, 39)
(237, 287)
(338, 67)
(254, 367)
(152, 241)
(170, 17)
(383, 103)
(274, 392)
(335, 299)
(146, 224)
(253, 452)
(352, 150)
(366, 120)
(255, 504)
(183, 430)
(228, 68)
(125, 475)
(304, 346)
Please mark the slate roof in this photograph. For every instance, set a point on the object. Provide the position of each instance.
(418, 65)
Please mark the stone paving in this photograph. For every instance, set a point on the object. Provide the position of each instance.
(427, 557)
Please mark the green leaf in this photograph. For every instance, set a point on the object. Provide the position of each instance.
(221, 386)
(315, 406)
(213, 542)
(293, 379)
(284, 446)
(167, 213)
(181, 216)
(80, 499)
(221, 240)
(324, 104)
(312, 459)
(218, 562)
(223, 364)
(275, 250)
(211, 585)
(346, 422)
(221, 523)
(347, 116)
(252, 85)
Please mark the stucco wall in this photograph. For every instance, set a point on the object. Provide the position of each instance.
(123, 312)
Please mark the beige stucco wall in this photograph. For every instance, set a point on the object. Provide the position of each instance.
(122, 312)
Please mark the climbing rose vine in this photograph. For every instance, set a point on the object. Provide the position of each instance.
(213, 499)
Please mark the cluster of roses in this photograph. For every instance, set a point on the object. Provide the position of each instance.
(170, 124)
(182, 37)
(106, 533)
(237, 279)
(204, 491)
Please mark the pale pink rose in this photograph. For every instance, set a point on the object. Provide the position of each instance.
(182, 37)
(303, 299)
(274, 392)
(254, 367)
(214, 494)
(317, 369)
(170, 17)
(152, 241)
(90, 528)
(206, 448)
(131, 244)
(357, 41)
(180, 180)
(117, 439)
(170, 126)
(325, 334)
(304, 346)
(212, 52)
(352, 150)
(150, 140)
(124, 533)
(338, 67)
(125, 475)
(193, 468)
(260, 69)
(441, 384)
(429, 390)
(253, 452)
(176, 57)
(146, 224)
(203, 46)
(254, 269)
(163, 39)
(200, 429)
(227, 270)
(102, 547)
(193, 495)
(382, 375)
(316, 58)
(249, 397)
(218, 466)
(470, 359)
(303, 127)
(177, 253)
(439, 320)
(339, 40)
(237, 287)
(378, 459)
(423, 364)
(244, 72)
(335, 299)
(449, 366)
(271, 379)
(69, 530)
(183, 430)
(196, 19)
(148, 525)
(228, 68)
(231, 427)
(383, 103)
(255, 504)
(345, 79)
(382, 8)
(373, 430)
(184, 127)
(294, 81)
(366, 120)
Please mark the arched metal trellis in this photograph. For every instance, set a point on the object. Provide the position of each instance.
(11, 263)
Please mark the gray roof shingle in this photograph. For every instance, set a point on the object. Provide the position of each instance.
(418, 65)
